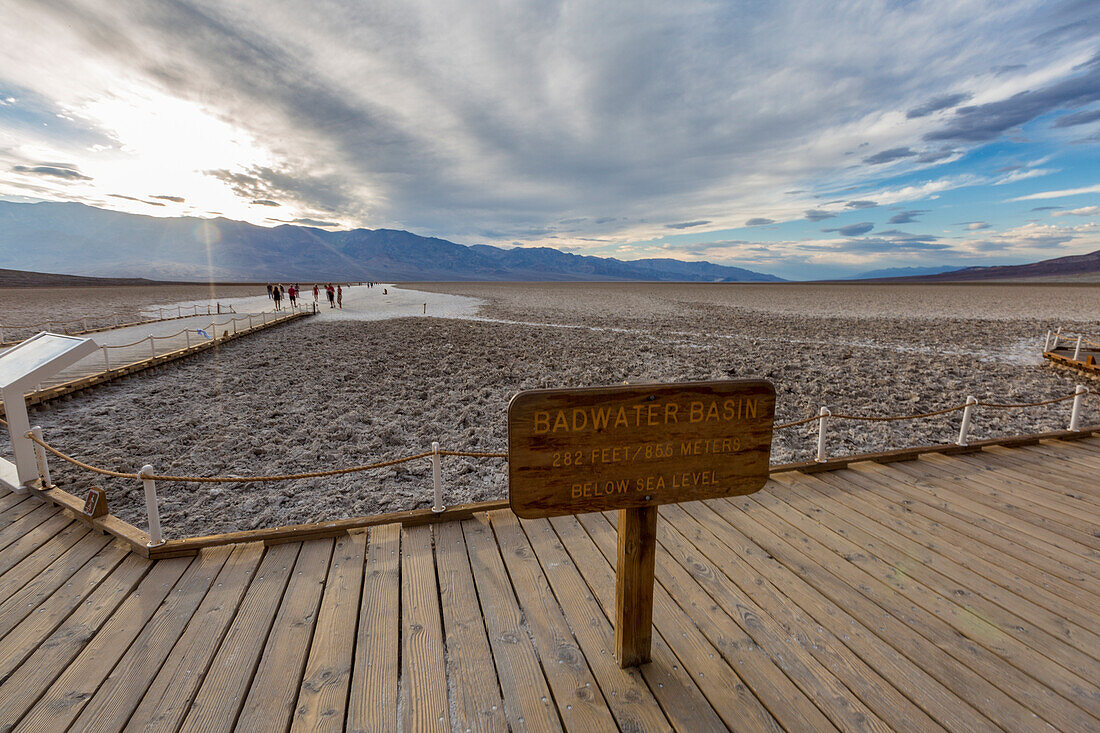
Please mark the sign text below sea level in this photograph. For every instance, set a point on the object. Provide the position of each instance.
(593, 449)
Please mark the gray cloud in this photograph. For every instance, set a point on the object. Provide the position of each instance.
(905, 217)
(933, 156)
(974, 226)
(860, 204)
(1046, 208)
(174, 199)
(853, 230)
(887, 156)
(265, 202)
(758, 222)
(983, 122)
(131, 198)
(818, 215)
(52, 171)
(687, 224)
(935, 104)
(1078, 118)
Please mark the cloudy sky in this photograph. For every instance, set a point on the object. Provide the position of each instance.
(806, 139)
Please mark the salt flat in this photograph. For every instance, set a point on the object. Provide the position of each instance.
(380, 380)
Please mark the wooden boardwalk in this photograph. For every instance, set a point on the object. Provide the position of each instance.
(948, 592)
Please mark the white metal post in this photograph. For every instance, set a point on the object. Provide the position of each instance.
(823, 417)
(438, 479)
(1046, 344)
(40, 457)
(151, 506)
(179, 311)
(1078, 398)
(250, 321)
(1057, 336)
(84, 322)
(19, 425)
(106, 359)
(1077, 351)
(964, 429)
(152, 347)
(1, 334)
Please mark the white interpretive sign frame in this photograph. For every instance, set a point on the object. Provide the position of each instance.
(21, 368)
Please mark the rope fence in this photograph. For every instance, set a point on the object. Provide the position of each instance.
(148, 477)
(113, 320)
(1079, 340)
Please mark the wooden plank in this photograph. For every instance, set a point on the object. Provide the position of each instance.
(169, 696)
(323, 696)
(1007, 494)
(42, 583)
(423, 694)
(372, 704)
(9, 500)
(21, 641)
(889, 593)
(996, 478)
(1022, 547)
(637, 546)
(528, 702)
(222, 691)
(321, 530)
(85, 659)
(1014, 520)
(120, 693)
(538, 565)
(32, 540)
(271, 697)
(762, 672)
(889, 622)
(878, 502)
(1026, 643)
(840, 683)
(137, 539)
(692, 701)
(24, 505)
(25, 523)
(475, 700)
(30, 567)
(902, 694)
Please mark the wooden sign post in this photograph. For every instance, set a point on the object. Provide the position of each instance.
(95, 504)
(633, 448)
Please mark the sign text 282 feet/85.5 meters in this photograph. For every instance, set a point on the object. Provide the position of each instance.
(592, 449)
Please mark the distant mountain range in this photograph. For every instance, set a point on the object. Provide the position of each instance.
(24, 279)
(1080, 268)
(894, 272)
(83, 240)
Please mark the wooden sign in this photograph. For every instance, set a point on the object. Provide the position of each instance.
(633, 448)
(585, 450)
(95, 504)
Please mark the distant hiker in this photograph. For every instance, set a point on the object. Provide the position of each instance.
(293, 293)
(331, 293)
(315, 293)
(269, 291)
(340, 297)
(277, 296)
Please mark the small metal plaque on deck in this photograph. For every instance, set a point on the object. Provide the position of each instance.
(572, 451)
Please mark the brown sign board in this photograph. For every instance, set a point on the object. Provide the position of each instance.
(591, 449)
(95, 504)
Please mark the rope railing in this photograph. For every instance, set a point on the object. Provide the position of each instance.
(1079, 340)
(148, 477)
(100, 319)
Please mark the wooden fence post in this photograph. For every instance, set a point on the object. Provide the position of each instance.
(634, 585)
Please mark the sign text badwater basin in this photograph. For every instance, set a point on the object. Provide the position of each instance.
(572, 451)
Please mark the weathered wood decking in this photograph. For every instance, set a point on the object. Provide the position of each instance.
(956, 592)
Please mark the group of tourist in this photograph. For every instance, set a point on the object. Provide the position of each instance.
(277, 292)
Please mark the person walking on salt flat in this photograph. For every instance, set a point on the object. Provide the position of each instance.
(277, 296)
(340, 297)
(331, 293)
(315, 293)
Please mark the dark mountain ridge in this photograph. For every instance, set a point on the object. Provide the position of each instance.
(83, 240)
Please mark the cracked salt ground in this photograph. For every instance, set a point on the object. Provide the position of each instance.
(323, 394)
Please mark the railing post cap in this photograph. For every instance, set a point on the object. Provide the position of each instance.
(824, 411)
(1081, 389)
(435, 446)
(146, 470)
(971, 400)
